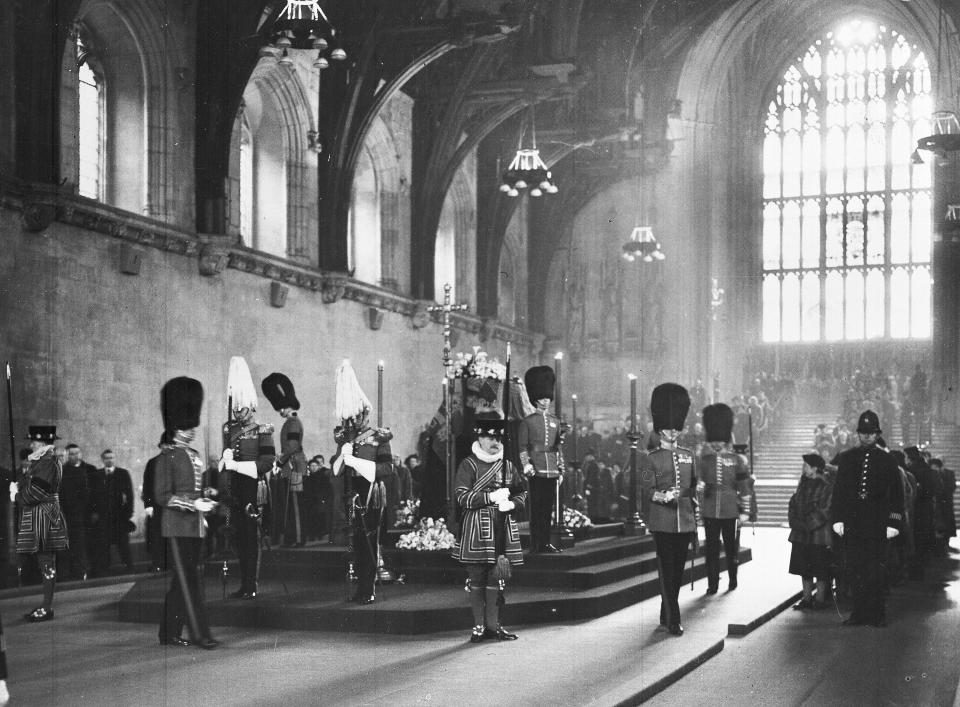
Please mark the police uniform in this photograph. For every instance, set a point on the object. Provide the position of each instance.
(867, 500)
(540, 444)
(253, 451)
(727, 495)
(668, 483)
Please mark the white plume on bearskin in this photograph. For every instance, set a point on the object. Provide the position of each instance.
(350, 398)
(240, 388)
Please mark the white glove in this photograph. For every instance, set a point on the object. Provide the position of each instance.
(500, 495)
(701, 486)
(204, 505)
(14, 488)
(892, 533)
(505, 506)
(838, 529)
(365, 467)
(528, 469)
(148, 511)
(586, 492)
(347, 449)
(744, 517)
(226, 460)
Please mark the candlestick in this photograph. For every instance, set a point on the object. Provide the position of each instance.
(576, 426)
(558, 393)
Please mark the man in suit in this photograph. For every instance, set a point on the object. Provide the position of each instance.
(74, 500)
(110, 512)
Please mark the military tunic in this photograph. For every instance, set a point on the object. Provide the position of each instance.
(538, 438)
(250, 442)
(673, 523)
(727, 494)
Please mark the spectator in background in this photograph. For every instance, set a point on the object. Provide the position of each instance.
(810, 533)
(928, 490)
(946, 522)
(110, 511)
(154, 539)
(404, 481)
(412, 462)
(313, 510)
(74, 500)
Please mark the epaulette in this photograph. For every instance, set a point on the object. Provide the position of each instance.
(383, 434)
(265, 429)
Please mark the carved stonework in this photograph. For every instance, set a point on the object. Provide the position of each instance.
(419, 316)
(331, 290)
(213, 260)
(38, 216)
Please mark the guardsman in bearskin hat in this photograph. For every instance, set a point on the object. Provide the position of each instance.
(488, 490)
(668, 486)
(248, 455)
(541, 456)
(178, 489)
(867, 511)
(727, 494)
(364, 455)
(43, 529)
(292, 462)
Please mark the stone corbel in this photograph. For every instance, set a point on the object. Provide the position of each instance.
(420, 316)
(37, 216)
(332, 289)
(213, 259)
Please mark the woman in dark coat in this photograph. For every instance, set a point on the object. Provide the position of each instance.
(810, 532)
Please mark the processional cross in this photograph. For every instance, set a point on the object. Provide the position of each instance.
(447, 307)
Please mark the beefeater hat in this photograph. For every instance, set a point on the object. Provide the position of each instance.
(489, 424)
(718, 422)
(540, 382)
(180, 401)
(279, 391)
(669, 405)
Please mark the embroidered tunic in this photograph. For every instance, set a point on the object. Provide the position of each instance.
(42, 525)
(482, 522)
(660, 470)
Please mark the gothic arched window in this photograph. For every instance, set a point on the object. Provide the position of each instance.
(846, 215)
(91, 123)
(246, 181)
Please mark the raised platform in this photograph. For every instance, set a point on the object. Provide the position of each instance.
(305, 589)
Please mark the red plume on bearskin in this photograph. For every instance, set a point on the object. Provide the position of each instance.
(718, 422)
(180, 402)
(279, 391)
(669, 405)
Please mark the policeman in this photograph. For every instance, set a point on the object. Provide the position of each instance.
(867, 510)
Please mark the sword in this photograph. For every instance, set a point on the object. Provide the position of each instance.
(11, 506)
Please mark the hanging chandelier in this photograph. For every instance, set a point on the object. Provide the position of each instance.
(302, 24)
(643, 245)
(527, 169)
(945, 137)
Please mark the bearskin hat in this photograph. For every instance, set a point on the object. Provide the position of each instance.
(669, 405)
(279, 391)
(180, 402)
(718, 422)
(540, 381)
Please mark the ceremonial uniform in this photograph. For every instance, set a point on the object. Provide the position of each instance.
(292, 463)
(178, 484)
(488, 491)
(154, 538)
(668, 483)
(541, 457)
(253, 450)
(867, 500)
(727, 495)
(42, 529)
(367, 501)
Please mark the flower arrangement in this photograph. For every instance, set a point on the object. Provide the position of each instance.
(478, 365)
(575, 519)
(407, 514)
(430, 535)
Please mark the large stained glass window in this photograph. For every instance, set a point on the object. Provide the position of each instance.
(846, 215)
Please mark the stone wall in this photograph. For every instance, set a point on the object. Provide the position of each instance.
(90, 346)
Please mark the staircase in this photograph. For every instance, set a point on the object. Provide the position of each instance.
(777, 466)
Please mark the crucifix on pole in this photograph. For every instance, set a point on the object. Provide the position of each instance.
(446, 308)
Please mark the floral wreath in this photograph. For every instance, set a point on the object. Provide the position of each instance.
(478, 365)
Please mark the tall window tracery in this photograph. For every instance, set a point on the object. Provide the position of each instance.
(846, 216)
(91, 123)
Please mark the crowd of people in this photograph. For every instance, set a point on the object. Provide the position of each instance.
(98, 504)
(866, 517)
